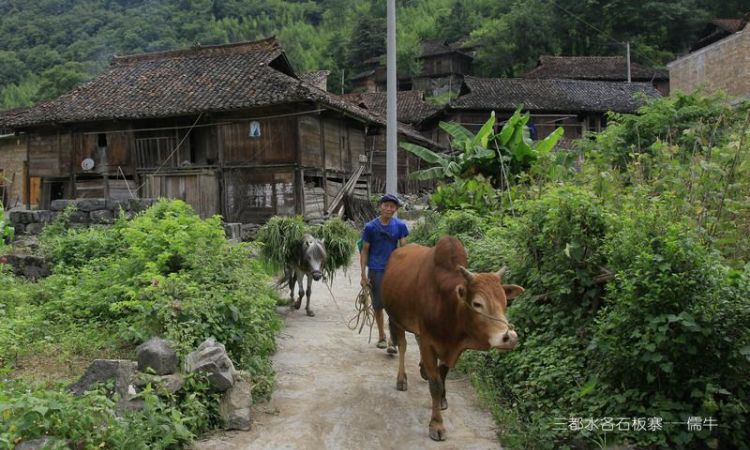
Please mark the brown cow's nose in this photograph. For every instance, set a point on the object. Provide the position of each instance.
(510, 339)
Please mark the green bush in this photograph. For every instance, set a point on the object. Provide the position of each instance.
(466, 225)
(474, 194)
(558, 239)
(166, 273)
(90, 421)
(675, 326)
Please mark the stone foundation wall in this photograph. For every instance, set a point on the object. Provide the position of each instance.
(88, 211)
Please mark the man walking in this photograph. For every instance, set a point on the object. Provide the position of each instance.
(381, 236)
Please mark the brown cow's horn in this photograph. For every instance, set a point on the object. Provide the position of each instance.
(501, 272)
(468, 275)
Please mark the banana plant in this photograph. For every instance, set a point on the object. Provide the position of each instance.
(485, 152)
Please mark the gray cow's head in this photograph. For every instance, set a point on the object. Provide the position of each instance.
(314, 255)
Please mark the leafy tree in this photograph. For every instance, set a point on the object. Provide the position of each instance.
(61, 79)
(367, 41)
(12, 69)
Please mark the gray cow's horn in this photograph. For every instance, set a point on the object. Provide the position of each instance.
(468, 275)
(501, 272)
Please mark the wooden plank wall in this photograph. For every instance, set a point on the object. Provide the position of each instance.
(356, 146)
(276, 144)
(49, 155)
(309, 132)
(117, 153)
(200, 189)
(333, 141)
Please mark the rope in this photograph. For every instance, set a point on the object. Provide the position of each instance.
(496, 319)
(364, 315)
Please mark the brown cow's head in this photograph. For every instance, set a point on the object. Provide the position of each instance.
(487, 299)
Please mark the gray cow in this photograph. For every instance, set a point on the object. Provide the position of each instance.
(308, 259)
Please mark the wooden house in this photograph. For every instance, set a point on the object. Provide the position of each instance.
(413, 110)
(598, 68)
(231, 129)
(575, 105)
(443, 67)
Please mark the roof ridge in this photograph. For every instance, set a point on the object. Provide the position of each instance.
(199, 50)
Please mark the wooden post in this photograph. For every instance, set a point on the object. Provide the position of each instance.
(299, 175)
(325, 167)
(27, 179)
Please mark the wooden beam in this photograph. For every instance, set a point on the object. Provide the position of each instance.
(27, 180)
(325, 167)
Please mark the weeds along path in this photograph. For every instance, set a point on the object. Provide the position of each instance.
(334, 390)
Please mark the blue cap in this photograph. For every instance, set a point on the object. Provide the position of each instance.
(390, 198)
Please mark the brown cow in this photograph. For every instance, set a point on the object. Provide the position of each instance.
(428, 292)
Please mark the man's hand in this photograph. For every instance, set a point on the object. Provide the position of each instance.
(364, 281)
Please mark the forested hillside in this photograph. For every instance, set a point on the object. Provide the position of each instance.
(49, 46)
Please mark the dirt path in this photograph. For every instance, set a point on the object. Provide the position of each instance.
(334, 390)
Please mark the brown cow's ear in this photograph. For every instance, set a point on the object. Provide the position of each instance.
(512, 291)
(461, 292)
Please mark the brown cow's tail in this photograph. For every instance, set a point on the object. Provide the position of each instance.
(394, 329)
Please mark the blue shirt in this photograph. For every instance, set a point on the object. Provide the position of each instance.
(383, 240)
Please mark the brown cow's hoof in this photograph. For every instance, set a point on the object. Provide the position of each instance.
(437, 433)
(310, 313)
(297, 304)
(443, 404)
(401, 385)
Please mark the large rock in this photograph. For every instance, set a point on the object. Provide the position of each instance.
(211, 357)
(161, 383)
(248, 231)
(104, 216)
(44, 216)
(41, 443)
(80, 217)
(158, 355)
(102, 370)
(235, 404)
(59, 205)
(35, 228)
(21, 216)
(115, 205)
(91, 204)
(31, 267)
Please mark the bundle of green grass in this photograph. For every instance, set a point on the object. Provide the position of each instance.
(281, 235)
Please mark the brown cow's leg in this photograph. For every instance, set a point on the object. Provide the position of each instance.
(398, 337)
(429, 362)
(443, 374)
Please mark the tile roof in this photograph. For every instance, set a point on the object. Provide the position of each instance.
(506, 94)
(182, 82)
(717, 30)
(317, 78)
(412, 108)
(432, 47)
(612, 68)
